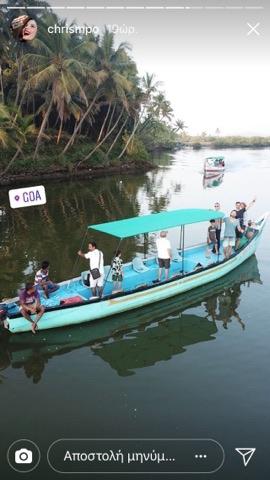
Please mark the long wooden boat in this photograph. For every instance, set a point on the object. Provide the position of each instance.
(139, 287)
(34, 352)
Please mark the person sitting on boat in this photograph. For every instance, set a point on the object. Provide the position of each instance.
(241, 209)
(164, 253)
(42, 280)
(212, 237)
(30, 304)
(96, 263)
(232, 224)
(250, 230)
(117, 272)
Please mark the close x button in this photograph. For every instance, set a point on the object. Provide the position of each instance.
(253, 29)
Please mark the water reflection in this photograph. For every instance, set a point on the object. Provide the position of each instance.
(210, 182)
(223, 307)
(140, 338)
(55, 230)
(158, 198)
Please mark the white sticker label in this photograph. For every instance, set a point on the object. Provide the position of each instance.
(27, 197)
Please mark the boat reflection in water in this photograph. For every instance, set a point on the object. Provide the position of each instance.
(140, 338)
(210, 181)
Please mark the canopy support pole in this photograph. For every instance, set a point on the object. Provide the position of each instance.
(145, 239)
(109, 271)
(77, 259)
(183, 247)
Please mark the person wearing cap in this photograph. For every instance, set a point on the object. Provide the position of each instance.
(164, 253)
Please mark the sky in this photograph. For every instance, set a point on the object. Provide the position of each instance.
(215, 73)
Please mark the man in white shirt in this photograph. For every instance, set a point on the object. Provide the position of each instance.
(96, 261)
(164, 254)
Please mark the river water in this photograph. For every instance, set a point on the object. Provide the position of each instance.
(194, 366)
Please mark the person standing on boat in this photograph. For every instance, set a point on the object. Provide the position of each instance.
(218, 224)
(96, 264)
(117, 272)
(212, 237)
(232, 224)
(30, 304)
(241, 209)
(164, 253)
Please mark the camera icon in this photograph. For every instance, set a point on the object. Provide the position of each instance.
(23, 456)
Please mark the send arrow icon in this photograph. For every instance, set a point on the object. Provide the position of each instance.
(247, 454)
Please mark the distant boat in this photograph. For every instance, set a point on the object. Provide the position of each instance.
(214, 165)
(189, 269)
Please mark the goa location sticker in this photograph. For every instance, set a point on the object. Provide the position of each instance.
(27, 197)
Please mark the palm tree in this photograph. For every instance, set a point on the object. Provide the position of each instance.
(160, 107)
(56, 70)
(4, 50)
(149, 87)
(14, 135)
(180, 126)
(83, 85)
(119, 78)
(4, 121)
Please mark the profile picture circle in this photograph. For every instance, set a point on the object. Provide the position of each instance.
(24, 28)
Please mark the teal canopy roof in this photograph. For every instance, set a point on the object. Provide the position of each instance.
(130, 227)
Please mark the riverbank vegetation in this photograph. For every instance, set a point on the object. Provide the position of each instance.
(201, 141)
(74, 101)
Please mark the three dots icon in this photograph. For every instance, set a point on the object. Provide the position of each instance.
(200, 455)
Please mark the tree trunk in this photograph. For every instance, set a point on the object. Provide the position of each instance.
(11, 162)
(102, 141)
(2, 85)
(131, 136)
(146, 123)
(60, 131)
(20, 106)
(110, 122)
(19, 77)
(104, 123)
(79, 124)
(117, 136)
(42, 128)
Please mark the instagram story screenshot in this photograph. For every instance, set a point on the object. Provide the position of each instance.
(134, 239)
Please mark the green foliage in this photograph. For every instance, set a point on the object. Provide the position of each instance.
(227, 142)
(136, 150)
(156, 135)
(242, 142)
(65, 100)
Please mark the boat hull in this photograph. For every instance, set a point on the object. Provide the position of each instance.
(106, 308)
